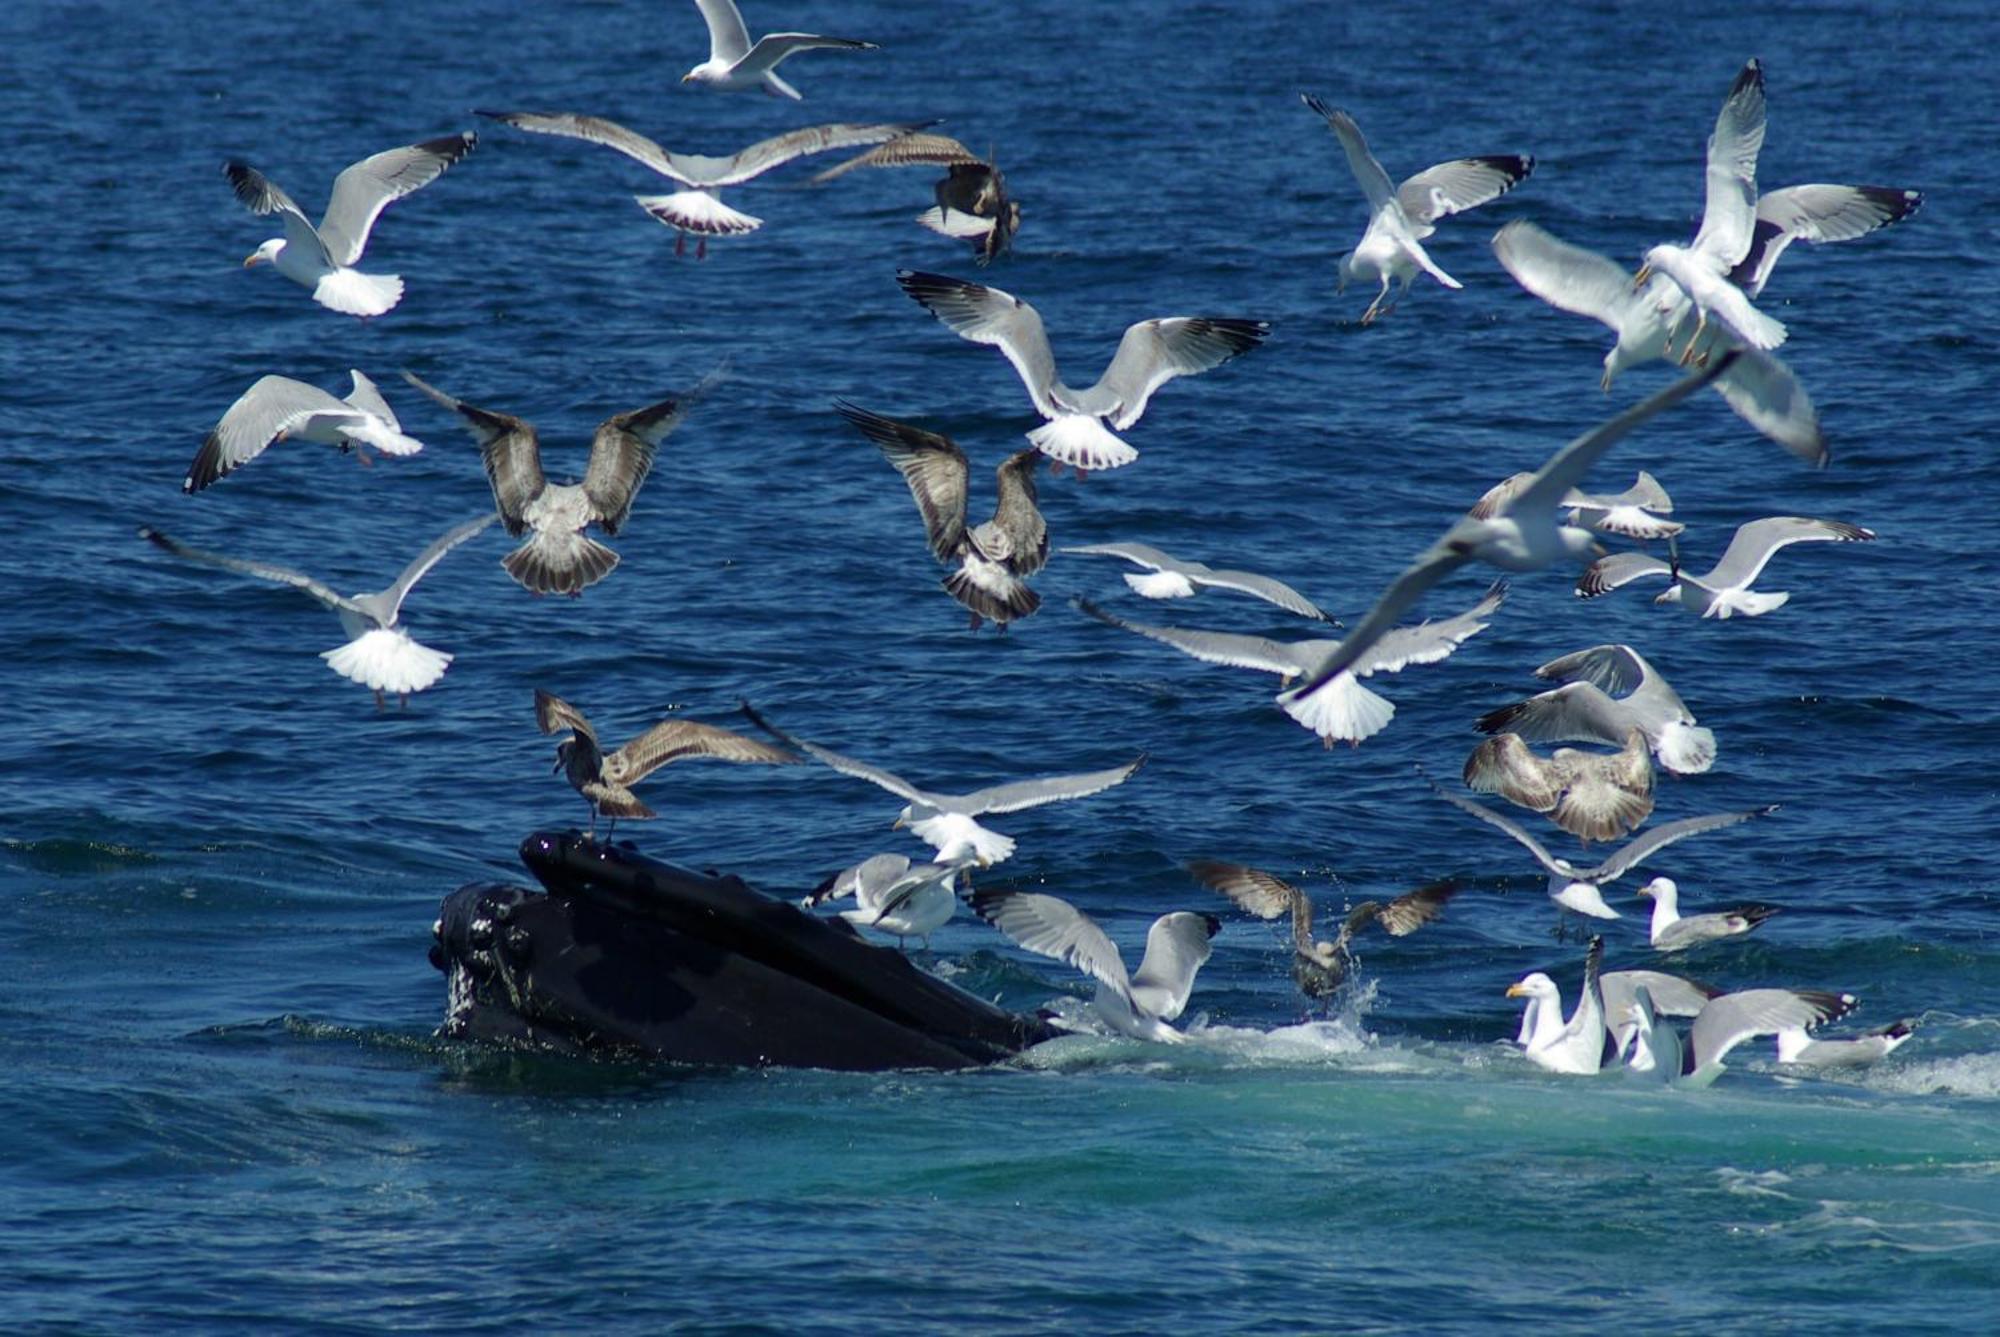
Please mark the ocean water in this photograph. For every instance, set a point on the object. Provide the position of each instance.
(226, 1106)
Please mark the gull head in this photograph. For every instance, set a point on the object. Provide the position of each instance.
(1660, 888)
(267, 254)
(1536, 985)
(1670, 595)
(707, 72)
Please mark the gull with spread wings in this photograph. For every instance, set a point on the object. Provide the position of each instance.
(735, 64)
(278, 408)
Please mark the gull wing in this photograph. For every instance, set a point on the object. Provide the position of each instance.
(1729, 215)
(509, 449)
(1568, 467)
(1503, 765)
(1629, 855)
(1259, 893)
(914, 150)
(1413, 909)
(1432, 565)
(261, 195)
(895, 784)
(1139, 554)
(1619, 568)
(1731, 1019)
(989, 316)
(363, 191)
(778, 150)
(392, 598)
(597, 130)
(1428, 642)
(1577, 711)
(678, 740)
(1374, 181)
(1754, 543)
(1153, 352)
(1611, 668)
(553, 713)
(1816, 213)
(931, 464)
(1052, 927)
(1496, 500)
(1017, 515)
(1673, 996)
(621, 455)
(1765, 393)
(1464, 183)
(728, 39)
(1567, 277)
(1019, 794)
(1177, 945)
(274, 406)
(1267, 588)
(260, 570)
(1559, 867)
(1286, 659)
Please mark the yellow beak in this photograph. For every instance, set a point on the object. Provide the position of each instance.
(1515, 991)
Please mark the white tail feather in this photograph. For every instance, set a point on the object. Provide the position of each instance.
(1082, 442)
(1686, 749)
(353, 293)
(1159, 584)
(387, 660)
(1341, 708)
(698, 211)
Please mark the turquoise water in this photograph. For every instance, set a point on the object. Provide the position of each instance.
(219, 865)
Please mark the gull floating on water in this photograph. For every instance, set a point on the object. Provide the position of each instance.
(1724, 590)
(1339, 709)
(381, 657)
(1672, 931)
(1575, 1046)
(1583, 709)
(940, 820)
(699, 210)
(1168, 577)
(1141, 1005)
(1318, 966)
(972, 199)
(1578, 888)
(278, 408)
(1722, 1024)
(558, 558)
(1151, 353)
(1522, 534)
(323, 258)
(994, 559)
(1591, 795)
(1843, 1051)
(605, 779)
(893, 895)
(736, 65)
(1401, 217)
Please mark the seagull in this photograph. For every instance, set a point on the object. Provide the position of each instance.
(278, 408)
(1633, 513)
(1816, 213)
(605, 779)
(735, 65)
(1523, 533)
(994, 559)
(1577, 888)
(1401, 217)
(1856, 1051)
(1141, 1005)
(1583, 709)
(1673, 996)
(1591, 795)
(1169, 577)
(1575, 1046)
(1340, 709)
(323, 258)
(1151, 353)
(558, 558)
(698, 210)
(1722, 1024)
(1319, 967)
(1674, 932)
(1724, 590)
(381, 656)
(941, 819)
(896, 896)
(972, 199)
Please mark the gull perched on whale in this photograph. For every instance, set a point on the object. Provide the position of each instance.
(1151, 353)
(1573, 887)
(736, 65)
(1672, 931)
(1724, 590)
(382, 656)
(940, 820)
(1143, 1004)
(893, 895)
(699, 210)
(1340, 709)
(323, 258)
(1521, 535)
(1401, 217)
(1592, 795)
(605, 779)
(1169, 577)
(558, 558)
(1722, 1024)
(1583, 709)
(995, 558)
(278, 408)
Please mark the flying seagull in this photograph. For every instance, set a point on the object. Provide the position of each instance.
(1169, 577)
(973, 203)
(605, 779)
(1583, 709)
(278, 408)
(558, 558)
(1724, 590)
(1401, 217)
(1633, 513)
(1591, 795)
(736, 65)
(323, 258)
(381, 656)
(1672, 931)
(1816, 213)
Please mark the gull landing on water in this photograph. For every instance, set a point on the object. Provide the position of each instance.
(323, 258)
(736, 65)
(278, 408)
(381, 657)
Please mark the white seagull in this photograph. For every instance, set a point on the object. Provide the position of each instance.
(1169, 577)
(1583, 709)
(1673, 996)
(1724, 590)
(940, 820)
(1722, 1024)
(895, 896)
(1401, 217)
(1551, 1043)
(736, 65)
(323, 258)
(1575, 1046)
(558, 558)
(1672, 931)
(1843, 1051)
(1151, 353)
(1816, 213)
(278, 408)
(698, 209)
(381, 657)
(1591, 795)
(1339, 709)
(994, 559)
(1142, 1005)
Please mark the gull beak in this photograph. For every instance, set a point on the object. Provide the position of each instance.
(687, 78)
(1604, 381)
(253, 259)
(898, 824)
(1515, 991)
(1639, 279)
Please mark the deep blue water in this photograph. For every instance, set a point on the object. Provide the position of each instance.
(219, 864)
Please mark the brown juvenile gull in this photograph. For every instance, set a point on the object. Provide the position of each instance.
(1672, 931)
(278, 408)
(737, 65)
(323, 258)
(1591, 795)
(1319, 967)
(381, 656)
(558, 558)
(1583, 709)
(972, 199)
(994, 559)
(1169, 577)
(1724, 590)
(698, 209)
(605, 779)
